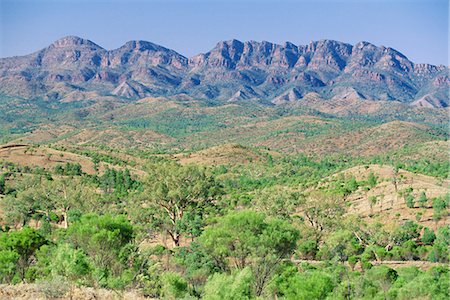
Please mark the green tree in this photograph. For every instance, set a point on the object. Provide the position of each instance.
(409, 199)
(24, 242)
(428, 236)
(423, 199)
(277, 201)
(174, 191)
(432, 284)
(104, 239)
(250, 239)
(174, 286)
(2, 184)
(69, 262)
(372, 180)
(322, 212)
(407, 232)
(441, 247)
(8, 265)
(237, 285)
(69, 194)
(383, 277)
(439, 208)
(310, 284)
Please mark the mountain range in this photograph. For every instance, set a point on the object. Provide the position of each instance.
(74, 68)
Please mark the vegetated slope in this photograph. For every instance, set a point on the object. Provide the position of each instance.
(48, 158)
(228, 154)
(169, 125)
(375, 110)
(43, 157)
(386, 201)
(253, 201)
(73, 68)
(368, 141)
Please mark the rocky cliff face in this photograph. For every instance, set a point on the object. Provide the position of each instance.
(231, 71)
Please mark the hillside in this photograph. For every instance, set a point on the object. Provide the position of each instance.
(390, 206)
(46, 158)
(360, 127)
(228, 154)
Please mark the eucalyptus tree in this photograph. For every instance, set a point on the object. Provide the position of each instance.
(175, 193)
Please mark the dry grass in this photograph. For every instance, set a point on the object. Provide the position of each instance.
(221, 155)
(46, 158)
(49, 158)
(391, 207)
(35, 292)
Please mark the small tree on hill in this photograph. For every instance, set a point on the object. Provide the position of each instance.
(372, 201)
(409, 199)
(372, 180)
(423, 199)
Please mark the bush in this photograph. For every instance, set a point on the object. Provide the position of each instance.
(229, 286)
(173, 286)
(55, 288)
(8, 265)
(69, 263)
(409, 201)
(423, 199)
(308, 285)
(428, 236)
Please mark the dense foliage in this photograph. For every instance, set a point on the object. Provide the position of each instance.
(277, 227)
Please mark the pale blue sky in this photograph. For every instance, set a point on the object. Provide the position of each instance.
(417, 28)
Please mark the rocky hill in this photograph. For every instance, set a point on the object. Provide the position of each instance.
(231, 71)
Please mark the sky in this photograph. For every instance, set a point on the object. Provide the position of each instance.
(417, 28)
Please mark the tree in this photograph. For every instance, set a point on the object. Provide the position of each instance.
(250, 239)
(173, 191)
(372, 180)
(382, 276)
(68, 194)
(103, 239)
(8, 265)
(322, 212)
(441, 247)
(342, 244)
(428, 236)
(409, 199)
(174, 286)
(69, 263)
(408, 231)
(311, 284)
(372, 201)
(2, 184)
(439, 208)
(237, 285)
(33, 200)
(24, 242)
(277, 201)
(46, 197)
(423, 199)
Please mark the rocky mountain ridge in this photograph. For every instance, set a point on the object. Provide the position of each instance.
(231, 71)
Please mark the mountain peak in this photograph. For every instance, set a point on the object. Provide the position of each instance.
(71, 40)
(363, 44)
(230, 44)
(141, 45)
